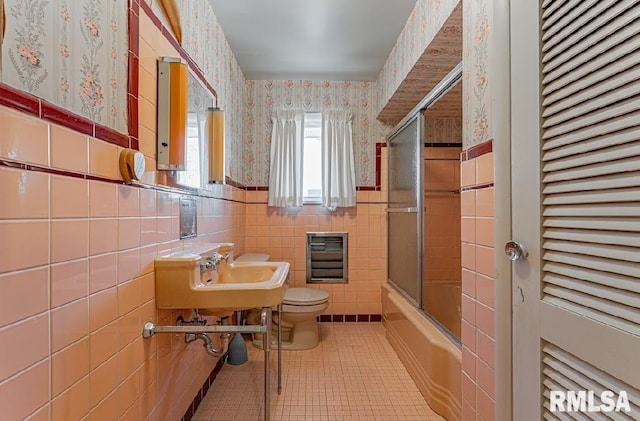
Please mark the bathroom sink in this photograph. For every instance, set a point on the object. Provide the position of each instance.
(183, 282)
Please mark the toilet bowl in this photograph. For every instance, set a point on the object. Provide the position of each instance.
(298, 318)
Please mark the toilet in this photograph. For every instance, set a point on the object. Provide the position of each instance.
(298, 319)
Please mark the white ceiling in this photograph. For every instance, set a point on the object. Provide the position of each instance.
(312, 39)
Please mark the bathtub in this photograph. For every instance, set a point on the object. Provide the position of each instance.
(432, 359)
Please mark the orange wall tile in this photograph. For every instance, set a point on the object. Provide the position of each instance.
(478, 331)
(25, 194)
(282, 234)
(24, 294)
(69, 150)
(77, 255)
(23, 138)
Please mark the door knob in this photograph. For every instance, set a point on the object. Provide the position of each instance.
(515, 251)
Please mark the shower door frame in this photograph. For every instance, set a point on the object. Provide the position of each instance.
(417, 210)
(445, 85)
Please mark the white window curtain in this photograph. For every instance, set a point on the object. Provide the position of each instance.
(338, 166)
(285, 169)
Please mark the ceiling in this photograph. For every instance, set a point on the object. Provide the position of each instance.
(312, 39)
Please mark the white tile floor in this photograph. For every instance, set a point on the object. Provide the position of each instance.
(353, 374)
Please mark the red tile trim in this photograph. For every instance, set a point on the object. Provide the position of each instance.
(111, 136)
(133, 79)
(48, 170)
(132, 103)
(63, 117)
(349, 318)
(477, 187)
(19, 100)
(477, 150)
(204, 389)
(379, 147)
(169, 36)
(442, 145)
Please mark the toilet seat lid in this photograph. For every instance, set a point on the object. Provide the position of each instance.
(305, 296)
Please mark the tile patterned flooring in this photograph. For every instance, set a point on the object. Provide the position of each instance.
(353, 374)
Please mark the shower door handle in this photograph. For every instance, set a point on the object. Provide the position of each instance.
(401, 210)
(515, 251)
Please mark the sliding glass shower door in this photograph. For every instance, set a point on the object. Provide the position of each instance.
(404, 251)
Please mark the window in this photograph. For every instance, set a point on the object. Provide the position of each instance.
(312, 160)
(191, 175)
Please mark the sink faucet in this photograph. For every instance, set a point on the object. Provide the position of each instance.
(212, 262)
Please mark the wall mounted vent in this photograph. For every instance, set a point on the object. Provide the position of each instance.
(327, 257)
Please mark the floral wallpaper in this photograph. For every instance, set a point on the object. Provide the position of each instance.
(476, 94)
(424, 22)
(206, 44)
(265, 96)
(70, 53)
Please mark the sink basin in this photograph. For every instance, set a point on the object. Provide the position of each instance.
(181, 284)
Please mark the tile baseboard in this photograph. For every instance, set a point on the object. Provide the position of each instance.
(349, 318)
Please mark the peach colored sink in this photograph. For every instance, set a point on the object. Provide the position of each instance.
(181, 282)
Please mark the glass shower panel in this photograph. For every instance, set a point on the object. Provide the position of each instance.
(404, 203)
(404, 166)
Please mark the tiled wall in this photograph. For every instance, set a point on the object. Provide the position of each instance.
(282, 234)
(76, 270)
(478, 273)
(76, 281)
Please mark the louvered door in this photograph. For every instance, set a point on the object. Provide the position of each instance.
(576, 202)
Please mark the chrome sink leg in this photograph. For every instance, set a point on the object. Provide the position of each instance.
(279, 348)
(266, 344)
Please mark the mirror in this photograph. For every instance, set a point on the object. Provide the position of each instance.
(199, 99)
